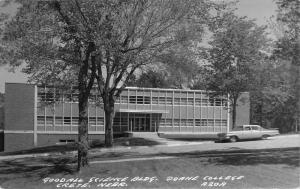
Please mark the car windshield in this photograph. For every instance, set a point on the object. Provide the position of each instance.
(238, 128)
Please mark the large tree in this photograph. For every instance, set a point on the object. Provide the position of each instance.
(55, 50)
(138, 33)
(236, 45)
(106, 41)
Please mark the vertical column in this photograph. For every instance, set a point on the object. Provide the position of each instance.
(221, 116)
(54, 116)
(194, 107)
(120, 114)
(136, 99)
(179, 111)
(128, 123)
(165, 108)
(71, 112)
(150, 99)
(214, 117)
(150, 122)
(35, 117)
(88, 117)
(45, 113)
(228, 114)
(127, 99)
(187, 112)
(173, 101)
(207, 106)
(201, 112)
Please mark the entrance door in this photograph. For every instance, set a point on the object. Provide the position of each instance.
(140, 123)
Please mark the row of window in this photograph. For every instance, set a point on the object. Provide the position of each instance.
(123, 121)
(67, 121)
(50, 97)
(198, 122)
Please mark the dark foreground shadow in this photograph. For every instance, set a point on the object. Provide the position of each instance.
(43, 167)
(124, 141)
(238, 157)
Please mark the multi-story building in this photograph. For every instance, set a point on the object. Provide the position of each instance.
(41, 115)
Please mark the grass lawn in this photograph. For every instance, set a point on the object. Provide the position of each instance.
(256, 169)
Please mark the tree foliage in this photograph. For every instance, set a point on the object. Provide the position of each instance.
(236, 46)
(79, 42)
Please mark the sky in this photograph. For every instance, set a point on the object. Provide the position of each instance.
(261, 10)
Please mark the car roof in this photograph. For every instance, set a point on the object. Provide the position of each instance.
(251, 125)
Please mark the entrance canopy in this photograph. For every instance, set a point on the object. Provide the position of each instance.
(143, 111)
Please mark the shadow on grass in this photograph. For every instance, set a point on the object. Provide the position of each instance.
(38, 168)
(113, 155)
(73, 147)
(135, 142)
(238, 157)
(45, 149)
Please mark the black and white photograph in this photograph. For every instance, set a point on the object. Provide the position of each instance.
(150, 94)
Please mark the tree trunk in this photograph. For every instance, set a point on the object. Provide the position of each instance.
(234, 112)
(109, 106)
(83, 145)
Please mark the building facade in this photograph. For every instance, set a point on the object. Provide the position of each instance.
(41, 115)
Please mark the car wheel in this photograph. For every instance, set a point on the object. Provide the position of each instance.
(264, 136)
(233, 139)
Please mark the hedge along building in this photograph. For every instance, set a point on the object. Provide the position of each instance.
(41, 115)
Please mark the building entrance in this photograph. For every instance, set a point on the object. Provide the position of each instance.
(140, 123)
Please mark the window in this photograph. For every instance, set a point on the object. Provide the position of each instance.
(139, 99)
(189, 122)
(190, 101)
(58, 121)
(254, 127)
(49, 121)
(154, 100)
(203, 122)
(66, 141)
(211, 101)
(124, 99)
(238, 128)
(67, 120)
(247, 128)
(92, 121)
(162, 100)
(146, 100)
(40, 120)
(176, 122)
(100, 121)
(176, 101)
(132, 99)
(75, 121)
(169, 100)
(204, 102)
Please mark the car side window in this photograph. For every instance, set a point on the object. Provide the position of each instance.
(254, 128)
(247, 128)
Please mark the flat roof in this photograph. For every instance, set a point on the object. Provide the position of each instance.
(142, 88)
(143, 111)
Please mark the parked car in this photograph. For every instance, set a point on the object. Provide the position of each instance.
(247, 132)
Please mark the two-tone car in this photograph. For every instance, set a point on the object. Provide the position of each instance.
(247, 132)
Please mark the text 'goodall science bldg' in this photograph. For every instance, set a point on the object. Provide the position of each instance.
(41, 115)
